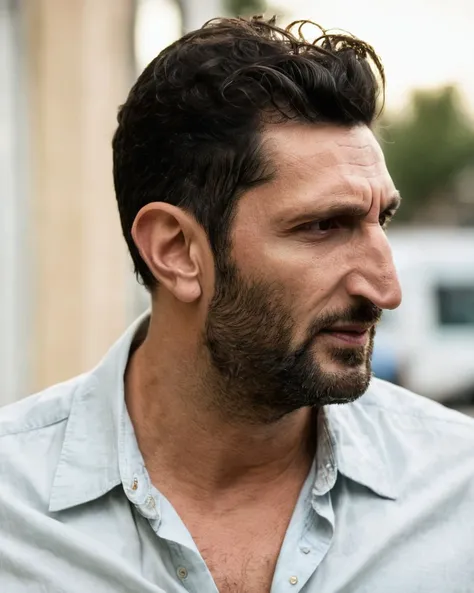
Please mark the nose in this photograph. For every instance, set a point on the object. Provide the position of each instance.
(373, 275)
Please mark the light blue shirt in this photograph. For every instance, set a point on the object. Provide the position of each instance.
(388, 506)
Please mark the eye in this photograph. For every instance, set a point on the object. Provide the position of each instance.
(320, 226)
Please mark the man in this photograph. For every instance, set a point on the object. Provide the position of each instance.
(205, 452)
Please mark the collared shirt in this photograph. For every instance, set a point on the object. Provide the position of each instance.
(388, 506)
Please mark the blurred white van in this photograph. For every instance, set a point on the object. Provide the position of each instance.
(430, 338)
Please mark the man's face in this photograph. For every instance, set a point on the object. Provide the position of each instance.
(293, 317)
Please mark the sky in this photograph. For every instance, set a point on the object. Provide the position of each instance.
(422, 43)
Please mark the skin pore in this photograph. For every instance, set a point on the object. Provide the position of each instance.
(224, 387)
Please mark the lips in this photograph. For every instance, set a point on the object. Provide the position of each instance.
(353, 334)
(356, 328)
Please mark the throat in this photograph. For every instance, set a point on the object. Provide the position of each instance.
(220, 457)
(227, 467)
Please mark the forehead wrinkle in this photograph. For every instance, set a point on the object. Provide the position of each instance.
(364, 156)
(300, 165)
(344, 167)
(324, 155)
(362, 170)
(319, 154)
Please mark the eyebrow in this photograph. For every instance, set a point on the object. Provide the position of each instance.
(338, 209)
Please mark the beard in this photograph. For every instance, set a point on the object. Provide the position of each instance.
(256, 374)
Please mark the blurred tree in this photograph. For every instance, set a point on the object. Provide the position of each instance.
(245, 7)
(427, 149)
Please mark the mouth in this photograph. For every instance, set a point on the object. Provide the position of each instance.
(351, 335)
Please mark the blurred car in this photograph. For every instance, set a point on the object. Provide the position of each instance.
(429, 339)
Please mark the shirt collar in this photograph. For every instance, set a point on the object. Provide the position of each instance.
(358, 448)
(88, 467)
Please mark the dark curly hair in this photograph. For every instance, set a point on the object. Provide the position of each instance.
(189, 132)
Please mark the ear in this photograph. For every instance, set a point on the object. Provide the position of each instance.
(167, 240)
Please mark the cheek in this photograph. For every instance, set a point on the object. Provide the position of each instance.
(311, 275)
(308, 286)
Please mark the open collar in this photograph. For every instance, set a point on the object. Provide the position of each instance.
(358, 447)
(349, 439)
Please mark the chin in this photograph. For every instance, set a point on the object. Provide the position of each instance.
(352, 379)
(346, 384)
(345, 365)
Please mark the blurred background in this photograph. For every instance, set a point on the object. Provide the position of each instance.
(66, 285)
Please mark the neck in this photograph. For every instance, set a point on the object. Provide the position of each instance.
(181, 434)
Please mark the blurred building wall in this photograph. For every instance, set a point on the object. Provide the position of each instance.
(80, 67)
(14, 352)
(66, 291)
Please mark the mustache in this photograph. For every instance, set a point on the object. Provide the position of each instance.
(364, 312)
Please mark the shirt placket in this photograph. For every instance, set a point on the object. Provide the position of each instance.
(190, 570)
(300, 560)
(299, 564)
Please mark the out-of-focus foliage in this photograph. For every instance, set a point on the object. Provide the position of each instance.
(245, 7)
(428, 147)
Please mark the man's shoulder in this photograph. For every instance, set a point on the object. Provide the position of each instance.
(40, 410)
(405, 420)
(386, 399)
(32, 433)
(405, 436)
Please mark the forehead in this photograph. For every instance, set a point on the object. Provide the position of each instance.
(314, 163)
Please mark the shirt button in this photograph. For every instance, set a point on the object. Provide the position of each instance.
(135, 484)
(293, 580)
(150, 502)
(182, 573)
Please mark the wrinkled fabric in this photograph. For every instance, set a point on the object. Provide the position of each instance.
(387, 506)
